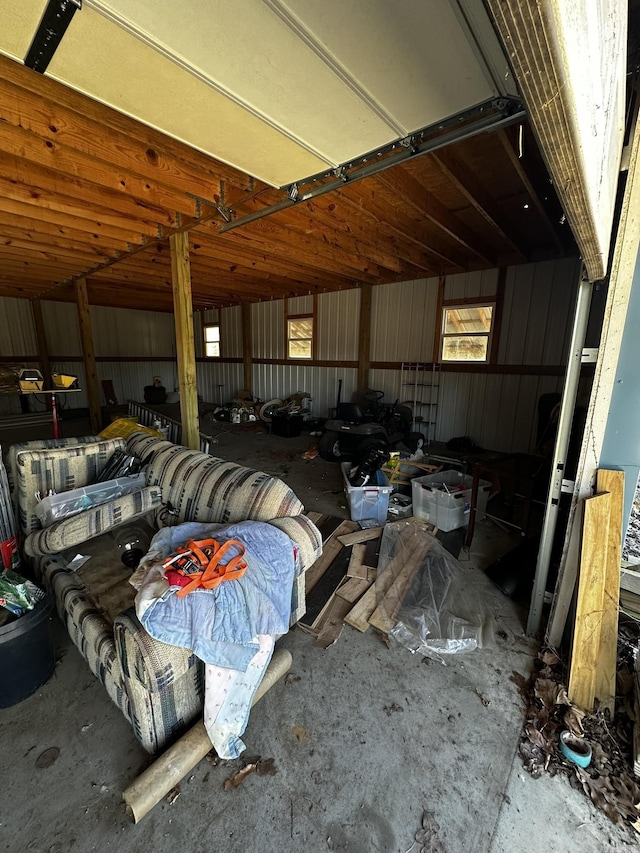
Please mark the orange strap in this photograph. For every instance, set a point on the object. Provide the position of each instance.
(209, 553)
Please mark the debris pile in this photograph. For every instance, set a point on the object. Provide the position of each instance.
(608, 780)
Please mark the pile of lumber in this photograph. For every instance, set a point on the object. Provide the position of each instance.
(343, 587)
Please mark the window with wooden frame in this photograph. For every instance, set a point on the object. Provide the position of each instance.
(466, 332)
(300, 336)
(212, 340)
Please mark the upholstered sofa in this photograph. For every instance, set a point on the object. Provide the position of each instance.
(158, 687)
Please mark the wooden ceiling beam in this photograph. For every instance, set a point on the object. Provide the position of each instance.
(397, 221)
(45, 234)
(81, 196)
(516, 163)
(463, 179)
(411, 191)
(136, 141)
(31, 209)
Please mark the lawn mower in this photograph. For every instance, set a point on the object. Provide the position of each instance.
(359, 427)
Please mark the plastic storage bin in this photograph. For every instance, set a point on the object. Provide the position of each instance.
(65, 504)
(26, 654)
(368, 505)
(445, 499)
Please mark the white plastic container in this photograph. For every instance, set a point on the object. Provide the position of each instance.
(445, 499)
(368, 505)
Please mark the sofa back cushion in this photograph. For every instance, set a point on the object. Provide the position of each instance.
(60, 469)
(202, 488)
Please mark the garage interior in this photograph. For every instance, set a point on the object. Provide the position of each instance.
(291, 198)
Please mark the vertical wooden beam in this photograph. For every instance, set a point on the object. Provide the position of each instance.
(588, 627)
(497, 315)
(247, 359)
(437, 338)
(88, 355)
(364, 337)
(185, 345)
(41, 338)
(605, 685)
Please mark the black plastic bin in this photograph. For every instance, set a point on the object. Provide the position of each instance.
(288, 426)
(26, 654)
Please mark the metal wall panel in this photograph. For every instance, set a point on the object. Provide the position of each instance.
(403, 320)
(471, 284)
(231, 331)
(300, 305)
(219, 382)
(267, 329)
(281, 380)
(125, 332)
(337, 325)
(61, 326)
(17, 332)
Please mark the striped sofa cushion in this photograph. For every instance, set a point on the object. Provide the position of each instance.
(41, 444)
(60, 469)
(92, 522)
(203, 488)
(89, 627)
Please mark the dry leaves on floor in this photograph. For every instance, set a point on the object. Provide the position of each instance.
(609, 780)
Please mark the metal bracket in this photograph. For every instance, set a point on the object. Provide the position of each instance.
(589, 355)
(567, 487)
(51, 29)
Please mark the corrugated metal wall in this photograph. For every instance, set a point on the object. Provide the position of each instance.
(498, 410)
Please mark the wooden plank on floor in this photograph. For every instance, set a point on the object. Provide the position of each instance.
(353, 589)
(326, 586)
(358, 617)
(361, 536)
(333, 622)
(605, 681)
(314, 517)
(356, 569)
(329, 553)
(383, 617)
(591, 591)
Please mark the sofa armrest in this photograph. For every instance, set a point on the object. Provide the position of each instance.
(72, 531)
(305, 534)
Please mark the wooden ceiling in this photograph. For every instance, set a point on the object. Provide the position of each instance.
(88, 193)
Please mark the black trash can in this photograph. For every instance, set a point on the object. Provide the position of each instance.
(26, 654)
(287, 426)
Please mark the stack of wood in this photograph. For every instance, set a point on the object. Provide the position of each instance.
(630, 589)
(343, 587)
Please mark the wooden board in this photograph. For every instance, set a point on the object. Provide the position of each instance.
(383, 616)
(358, 617)
(326, 586)
(330, 552)
(605, 682)
(361, 535)
(353, 588)
(356, 568)
(333, 622)
(591, 591)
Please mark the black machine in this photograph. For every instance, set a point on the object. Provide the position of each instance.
(359, 427)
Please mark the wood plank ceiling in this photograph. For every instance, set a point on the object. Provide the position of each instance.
(86, 192)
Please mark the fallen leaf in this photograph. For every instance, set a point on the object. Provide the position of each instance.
(427, 835)
(266, 767)
(290, 678)
(547, 691)
(47, 758)
(390, 709)
(239, 776)
(173, 795)
(300, 733)
(573, 718)
(549, 657)
(486, 702)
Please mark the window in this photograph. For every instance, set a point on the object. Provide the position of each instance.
(212, 340)
(466, 332)
(300, 337)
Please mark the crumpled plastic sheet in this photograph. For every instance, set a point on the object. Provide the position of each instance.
(430, 603)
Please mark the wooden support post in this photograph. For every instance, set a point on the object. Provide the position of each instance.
(186, 356)
(605, 686)
(246, 347)
(364, 337)
(591, 591)
(41, 337)
(88, 355)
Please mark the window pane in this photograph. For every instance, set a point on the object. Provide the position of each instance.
(465, 320)
(212, 333)
(212, 349)
(301, 328)
(460, 348)
(299, 349)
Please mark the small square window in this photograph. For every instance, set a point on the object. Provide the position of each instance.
(212, 340)
(300, 337)
(466, 332)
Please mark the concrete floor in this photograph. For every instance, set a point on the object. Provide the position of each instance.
(365, 742)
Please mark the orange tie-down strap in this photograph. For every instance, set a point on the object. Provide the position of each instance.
(199, 563)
